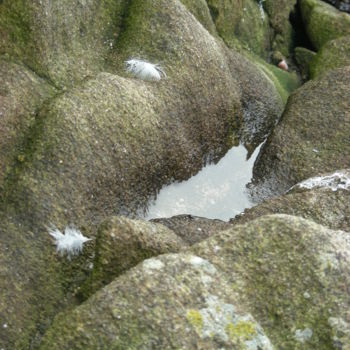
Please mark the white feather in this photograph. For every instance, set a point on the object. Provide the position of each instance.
(144, 70)
(71, 242)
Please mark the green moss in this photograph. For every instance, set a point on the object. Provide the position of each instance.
(64, 42)
(279, 13)
(196, 319)
(240, 24)
(334, 54)
(323, 22)
(244, 330)
(284, 82)
(200, 10)
(304, 58)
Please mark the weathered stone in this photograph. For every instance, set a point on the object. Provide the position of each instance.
(279, 12)
(64, 41)
(323, 22)
(241, 23)
(200, 10)
(21, 95)
(292, 274)
(193, 229)
(257, 89)
(342, 5)
(121, 244)
(334, 54)
(324, 206)
(174, 301)
(311, 138)
(304, 57)
(107, 140)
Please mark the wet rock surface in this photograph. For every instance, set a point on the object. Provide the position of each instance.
(81, 139)
(321, 205)
(305, 143)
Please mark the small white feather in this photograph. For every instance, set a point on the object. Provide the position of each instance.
(144, 70)
(71, 242)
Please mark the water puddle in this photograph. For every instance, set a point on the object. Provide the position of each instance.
(218, 191)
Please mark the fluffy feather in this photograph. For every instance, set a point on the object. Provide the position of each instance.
(144, 70)
(70, 242)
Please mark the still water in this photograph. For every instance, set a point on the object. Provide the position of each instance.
(218, 191)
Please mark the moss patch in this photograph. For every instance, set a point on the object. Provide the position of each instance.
(323, 22)
(334, 54)
(242, 329)
(195, 318)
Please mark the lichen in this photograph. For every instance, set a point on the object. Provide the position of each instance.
(196, 319)
(244, 330)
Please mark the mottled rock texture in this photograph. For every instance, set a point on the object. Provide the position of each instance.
(193, 229)
(293, 276)
(323, 206)
(177, 301)
(334, 54)
(92, 141)
(122, 243)
(311, 138)
(279, 13)
(323, 22)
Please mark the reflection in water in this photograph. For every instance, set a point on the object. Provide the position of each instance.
(218, 191)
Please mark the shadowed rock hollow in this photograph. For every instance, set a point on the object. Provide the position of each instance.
(311, 138)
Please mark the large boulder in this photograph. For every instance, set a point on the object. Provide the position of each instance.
(311, 138)
(200, 9)
(122, 243)
(325, 205)
(64, 41)
(279, 13)
(323, 22)
(175, 301)
(342, 5)
(22, 94)
(107, 140)
(242, 23)
(334, 54)
(292, 274)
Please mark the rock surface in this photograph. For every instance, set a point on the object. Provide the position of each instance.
(122, 243)
(177, 301)
(292, 274)
(311, 138)
(242, 23)
(323, 206)
(342, 5)
(22, 94)
(323, 22)
(65, 42)
(279, 13)
(334, 54)
(102, 141)
(303, 58)
(193, 229)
